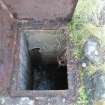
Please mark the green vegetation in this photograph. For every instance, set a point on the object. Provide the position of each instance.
(93, 68)
(82, 98)
(85, 23)
(81, 28)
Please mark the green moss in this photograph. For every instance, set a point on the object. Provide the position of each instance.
(80, 30)
(79, 33)
(84, 25)
(91, 68)
(82, 98)
(77, 53)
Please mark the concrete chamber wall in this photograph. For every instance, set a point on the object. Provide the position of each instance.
(51, 45)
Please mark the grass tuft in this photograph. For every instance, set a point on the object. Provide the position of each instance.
(82, 98)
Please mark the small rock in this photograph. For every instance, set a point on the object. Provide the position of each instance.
(49, 99)
(2, 101)
(99, 83)
(91, 50)
(31, 102)
(37, 98)
(64, 100)
(84, 65)
(25, 99)
(96, 53)
(40, 98)
(49, 104)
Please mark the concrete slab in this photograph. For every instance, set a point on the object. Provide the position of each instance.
(42, 10)
(38, 12)
(7, 36)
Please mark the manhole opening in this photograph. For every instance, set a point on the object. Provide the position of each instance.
(40, 55)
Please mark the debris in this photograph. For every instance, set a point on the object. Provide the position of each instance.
(84, 65)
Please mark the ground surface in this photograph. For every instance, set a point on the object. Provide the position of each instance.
(88, 23)
(88, 19)
(50, 13)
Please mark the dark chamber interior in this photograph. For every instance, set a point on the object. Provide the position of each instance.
(47, 76)
(36, 74)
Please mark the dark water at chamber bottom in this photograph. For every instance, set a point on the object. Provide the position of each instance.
(47, 76)
(50, 77)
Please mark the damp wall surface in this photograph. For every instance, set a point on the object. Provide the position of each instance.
(24, 66)
(51, 44)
